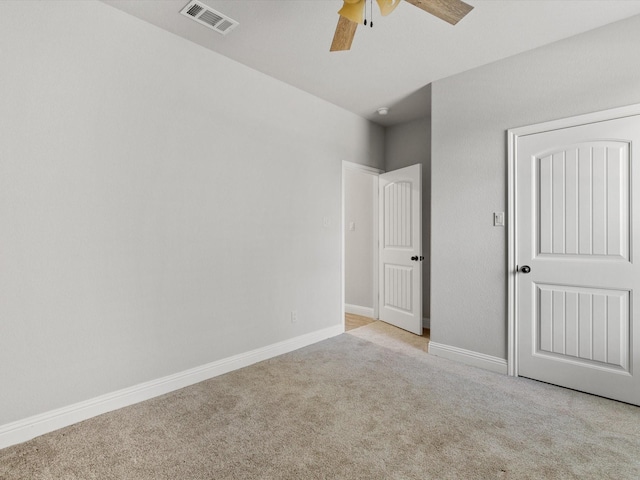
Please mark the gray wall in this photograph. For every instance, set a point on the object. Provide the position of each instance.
(470, 115)
(407, 144)
(161, 206)
(359, 255)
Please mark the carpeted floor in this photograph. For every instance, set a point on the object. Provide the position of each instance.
(347, 408)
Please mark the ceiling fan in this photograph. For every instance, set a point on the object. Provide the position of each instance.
(353, 11)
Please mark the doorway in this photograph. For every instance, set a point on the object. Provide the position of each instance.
(360, 241)
(382, 233)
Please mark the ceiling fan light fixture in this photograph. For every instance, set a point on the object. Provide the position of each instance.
(387, 6)
(353, 10)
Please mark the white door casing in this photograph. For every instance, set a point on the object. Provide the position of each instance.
(577, 201)
(400, 246)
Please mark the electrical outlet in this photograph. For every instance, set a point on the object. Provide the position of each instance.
(294, 316)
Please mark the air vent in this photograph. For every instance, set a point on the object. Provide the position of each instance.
(208, 17)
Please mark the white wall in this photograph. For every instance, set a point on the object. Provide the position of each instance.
(360, 193)
(407, 144)
(471, 113)
(161, 206)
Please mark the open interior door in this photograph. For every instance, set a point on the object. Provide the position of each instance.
(400, 245)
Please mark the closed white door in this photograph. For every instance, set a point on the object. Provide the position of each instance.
(578, 247)
(400, 243)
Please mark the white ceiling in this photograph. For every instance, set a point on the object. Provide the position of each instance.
(390, 64)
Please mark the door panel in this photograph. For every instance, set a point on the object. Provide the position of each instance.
(584, 196)
(397, 204)
(398, 287)
(576, 214)
(400, 241)
(585, 324)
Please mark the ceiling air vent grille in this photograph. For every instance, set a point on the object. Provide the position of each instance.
(208, 17)
(194, 10)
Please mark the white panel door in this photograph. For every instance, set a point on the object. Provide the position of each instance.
(578, 215)
(400, 244)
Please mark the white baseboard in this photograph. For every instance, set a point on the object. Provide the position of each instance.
(358, 310)
(488, 362)
(28, 428)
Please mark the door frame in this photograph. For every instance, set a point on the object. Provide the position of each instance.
(512, 245)
(346, 165)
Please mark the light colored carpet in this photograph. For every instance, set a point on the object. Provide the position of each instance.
(347, 408)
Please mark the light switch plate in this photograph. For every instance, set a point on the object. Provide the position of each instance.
(498, 219)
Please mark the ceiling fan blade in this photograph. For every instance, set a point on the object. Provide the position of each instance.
(345, 31)
(451, 11)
